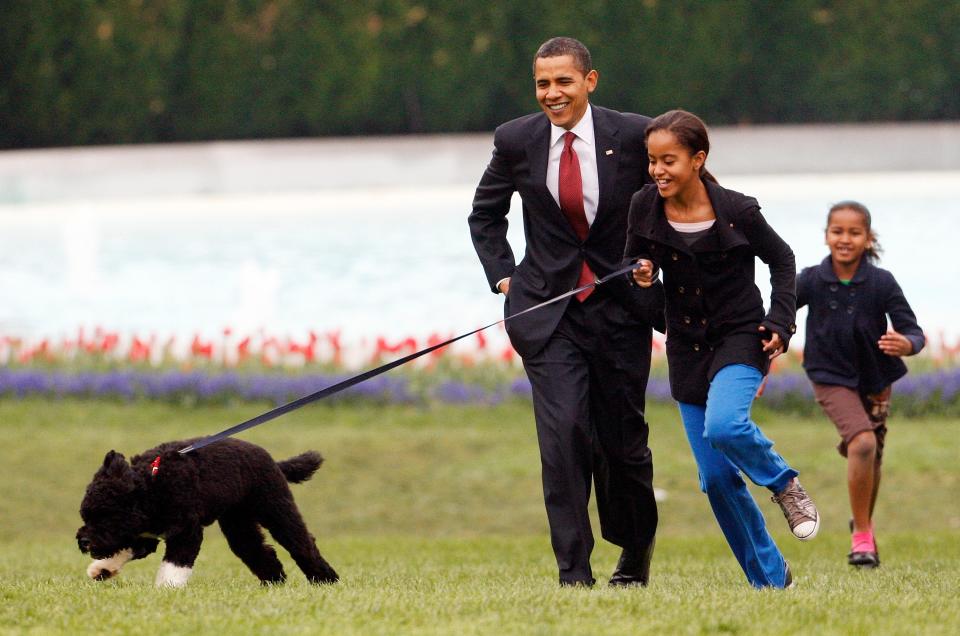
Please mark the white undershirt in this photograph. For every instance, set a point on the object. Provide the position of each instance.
(696, 226)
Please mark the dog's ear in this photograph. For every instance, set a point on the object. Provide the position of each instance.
(112, 458)
(115, 465)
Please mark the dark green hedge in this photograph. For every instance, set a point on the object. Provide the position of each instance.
(122, 71)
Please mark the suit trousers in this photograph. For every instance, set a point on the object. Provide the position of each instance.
(725, 441)
(589, 385)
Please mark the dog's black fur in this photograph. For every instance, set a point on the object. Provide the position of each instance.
(231, 481)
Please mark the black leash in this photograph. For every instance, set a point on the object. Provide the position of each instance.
(366, 375)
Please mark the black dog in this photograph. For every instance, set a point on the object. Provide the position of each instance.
(129, 507)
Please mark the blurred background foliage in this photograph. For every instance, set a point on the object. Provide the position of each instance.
(77, 72)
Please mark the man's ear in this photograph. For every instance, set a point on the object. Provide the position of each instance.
(592, 78)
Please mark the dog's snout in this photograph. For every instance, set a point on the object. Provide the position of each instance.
(84, 544)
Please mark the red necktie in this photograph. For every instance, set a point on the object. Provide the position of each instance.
(571, 203)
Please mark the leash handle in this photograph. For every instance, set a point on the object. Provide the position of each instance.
(366, 375)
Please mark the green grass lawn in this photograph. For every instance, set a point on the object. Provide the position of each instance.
(434, 519)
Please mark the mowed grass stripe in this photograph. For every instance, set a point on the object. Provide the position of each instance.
(494, 585)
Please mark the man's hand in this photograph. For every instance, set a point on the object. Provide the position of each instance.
(643, 274)
(504, 286)
(895, 344)
(773, 346)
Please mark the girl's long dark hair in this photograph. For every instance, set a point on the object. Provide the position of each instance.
(874, 250)
(690, 132)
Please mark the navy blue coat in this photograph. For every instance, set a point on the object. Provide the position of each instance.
(713, 305)
(845, 322)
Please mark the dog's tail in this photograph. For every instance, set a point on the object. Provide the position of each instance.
(301, 468)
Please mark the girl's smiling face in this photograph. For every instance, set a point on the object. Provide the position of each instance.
(672, 165)
(848, 236)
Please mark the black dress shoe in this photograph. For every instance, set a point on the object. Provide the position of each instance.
(633, 568)
(580, 583)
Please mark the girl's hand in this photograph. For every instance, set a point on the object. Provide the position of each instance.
(895, 344)
(643, 275)
(773, 346)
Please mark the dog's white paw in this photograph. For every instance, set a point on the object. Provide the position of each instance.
(103, 569)
(170, 575)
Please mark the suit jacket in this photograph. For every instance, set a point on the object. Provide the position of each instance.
(551, 263)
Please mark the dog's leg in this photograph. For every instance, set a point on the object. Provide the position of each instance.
(247, 542)
(182, 550)
(284, 522)
(103, 569)
(144, 546)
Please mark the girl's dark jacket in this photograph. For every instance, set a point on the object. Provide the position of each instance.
(713, 307)
(845, 323)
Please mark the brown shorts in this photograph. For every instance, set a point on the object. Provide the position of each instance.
(853, 413)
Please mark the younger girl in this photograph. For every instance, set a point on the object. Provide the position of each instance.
(720, 340)
(852, 357)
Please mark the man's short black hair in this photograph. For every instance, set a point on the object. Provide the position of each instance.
(555, 47)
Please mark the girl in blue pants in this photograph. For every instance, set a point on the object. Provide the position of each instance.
(720, 340)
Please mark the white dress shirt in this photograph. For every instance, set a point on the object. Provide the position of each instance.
(585, 147)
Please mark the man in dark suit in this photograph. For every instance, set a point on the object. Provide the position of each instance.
(587, 357)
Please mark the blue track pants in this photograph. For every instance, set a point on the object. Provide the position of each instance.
(726, 442)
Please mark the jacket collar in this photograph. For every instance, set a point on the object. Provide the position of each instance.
(538, 150)
(827, 274)
(538, 153)
(726, 206)
(607, 149)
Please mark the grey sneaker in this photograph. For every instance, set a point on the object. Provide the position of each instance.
(798, 508)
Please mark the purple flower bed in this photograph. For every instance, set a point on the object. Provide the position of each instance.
(193, 386)
(936, 392)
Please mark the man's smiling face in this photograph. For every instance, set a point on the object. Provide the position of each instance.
(563, 90)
